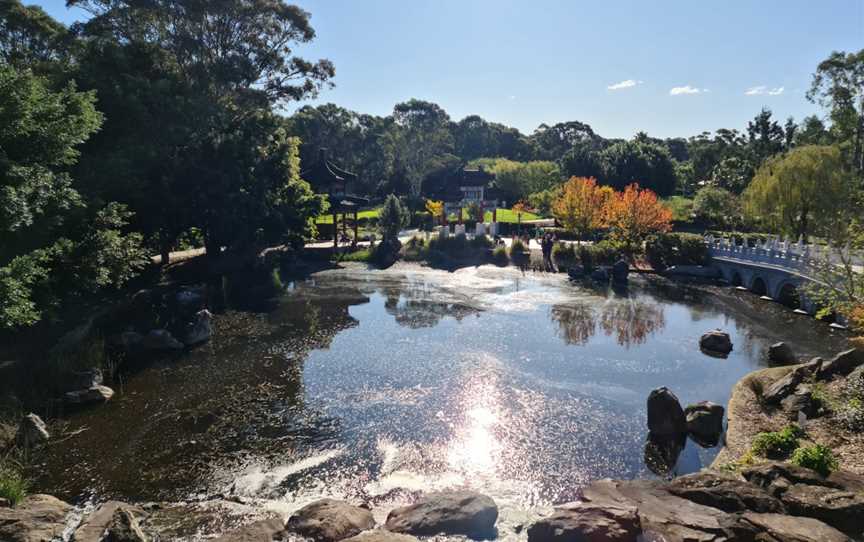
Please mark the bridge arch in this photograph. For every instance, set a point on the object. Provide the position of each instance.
(736, 280)
(758, 285)
(788, 294)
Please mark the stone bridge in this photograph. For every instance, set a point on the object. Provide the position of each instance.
(774, 268)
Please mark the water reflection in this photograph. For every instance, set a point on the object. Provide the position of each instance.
(631, 321)
(475, 448)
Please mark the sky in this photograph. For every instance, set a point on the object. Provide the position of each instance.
(669, 68)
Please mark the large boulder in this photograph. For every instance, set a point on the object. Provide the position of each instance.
(93, 527)
(260, 531)
(705, 422)
(801, 401)
(781, 354)
(665, 415)
(783, 528)
(777, 477)
(95, 394)
(786, 385)
(716, 342)
(843, 510)
(39, 518)
(587, 522)
(448, 512)
(842, 364)
(80, 380)
(724, 491)
(329, 520)
(31, 432)
(124, 528)
(381, 535)
(160, 339)
(199, 329)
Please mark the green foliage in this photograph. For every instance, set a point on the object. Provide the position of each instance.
(670, 249)
(13, 485)
(392, 218)
(517, 248)
(542, 201)
(777, 444)
(106, 256)
(499, 256)
(717, 207)
(818, 458)
(681, 207)
(603, 253)
(564, 254)
(21, 282)
(362, 255)
(645, 163)
(520, 179)
(800, 193)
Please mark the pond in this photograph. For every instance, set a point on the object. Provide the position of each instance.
(370, 385)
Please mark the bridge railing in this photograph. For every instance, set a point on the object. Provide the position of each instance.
(800, 257)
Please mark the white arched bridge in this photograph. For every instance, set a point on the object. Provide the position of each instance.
(774, 268)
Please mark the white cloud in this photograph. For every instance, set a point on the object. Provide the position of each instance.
(763, 90)
(687, 89)
(628, 83)
(511, 98)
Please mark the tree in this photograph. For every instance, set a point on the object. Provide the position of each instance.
(733, 174)
(838, 85)
(424, 135)
(392, 218)
(435, 209)
(800, 193)
(630, 162)
(765, 136)
(717, 206)
(583, 205)
(29, 37)
(636, 213)
(553, 141)
(582, 161)
(520, 179)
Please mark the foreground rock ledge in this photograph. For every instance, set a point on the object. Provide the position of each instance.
(329, 520)
(451, 512)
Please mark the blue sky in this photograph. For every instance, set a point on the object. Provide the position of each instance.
(670, 68)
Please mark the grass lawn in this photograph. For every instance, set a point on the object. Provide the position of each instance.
(328, 218)
(507, 215)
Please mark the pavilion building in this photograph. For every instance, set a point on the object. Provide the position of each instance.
(339, 185)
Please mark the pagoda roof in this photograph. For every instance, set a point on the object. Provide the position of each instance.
(324, 172)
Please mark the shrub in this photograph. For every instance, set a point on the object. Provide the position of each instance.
(777, 444)
(13, 486)
(499, 256)
(481, 242)
(818, 458)
(517, 248)
(671, 249)
(564, 254)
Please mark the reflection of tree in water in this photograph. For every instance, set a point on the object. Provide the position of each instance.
(576, 323)
(630, 320)
(412, 305)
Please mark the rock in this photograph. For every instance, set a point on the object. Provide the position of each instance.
(448, 512)
(124, 528)
(840, 509)
(329, 520)
(380, 535)
(776, 477)
(191, 296)
(39, 518)
(96, 394)
(786, 385)
(800, 401)
(781, 354)
(698, 271)
(665, 415)
(5, 503)
(663, 516)
(705, 422)
(589, 523)
(600, 274)
(662, 452)
(80, 380)
(782, 528)
(93, 528)
(620, 271)
(199, 329)
(31, 432)
(160, 339)
(841, 364)
(716, 341)
(576, 271)
(260, 531)
(723, 491)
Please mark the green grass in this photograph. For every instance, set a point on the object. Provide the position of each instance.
(507, 215)
(363, 255)
(328, 218)
(13, 485)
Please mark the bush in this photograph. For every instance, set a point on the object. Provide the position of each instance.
(13, 486)
(602, 253)
(670, 249)
(777, 444)
(499, 256)
(517, 249)
(564, 254)
(818, 458)
(481, 242)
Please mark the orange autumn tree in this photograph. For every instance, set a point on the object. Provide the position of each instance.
(583, 205)
(636, 213)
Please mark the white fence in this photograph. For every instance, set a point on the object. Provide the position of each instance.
(798, 256)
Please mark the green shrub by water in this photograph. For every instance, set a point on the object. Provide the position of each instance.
(517, 249)
(564, 254)
(670, 249)
(499, 256)
(13, 485)
(818, 458)
(777, 444)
